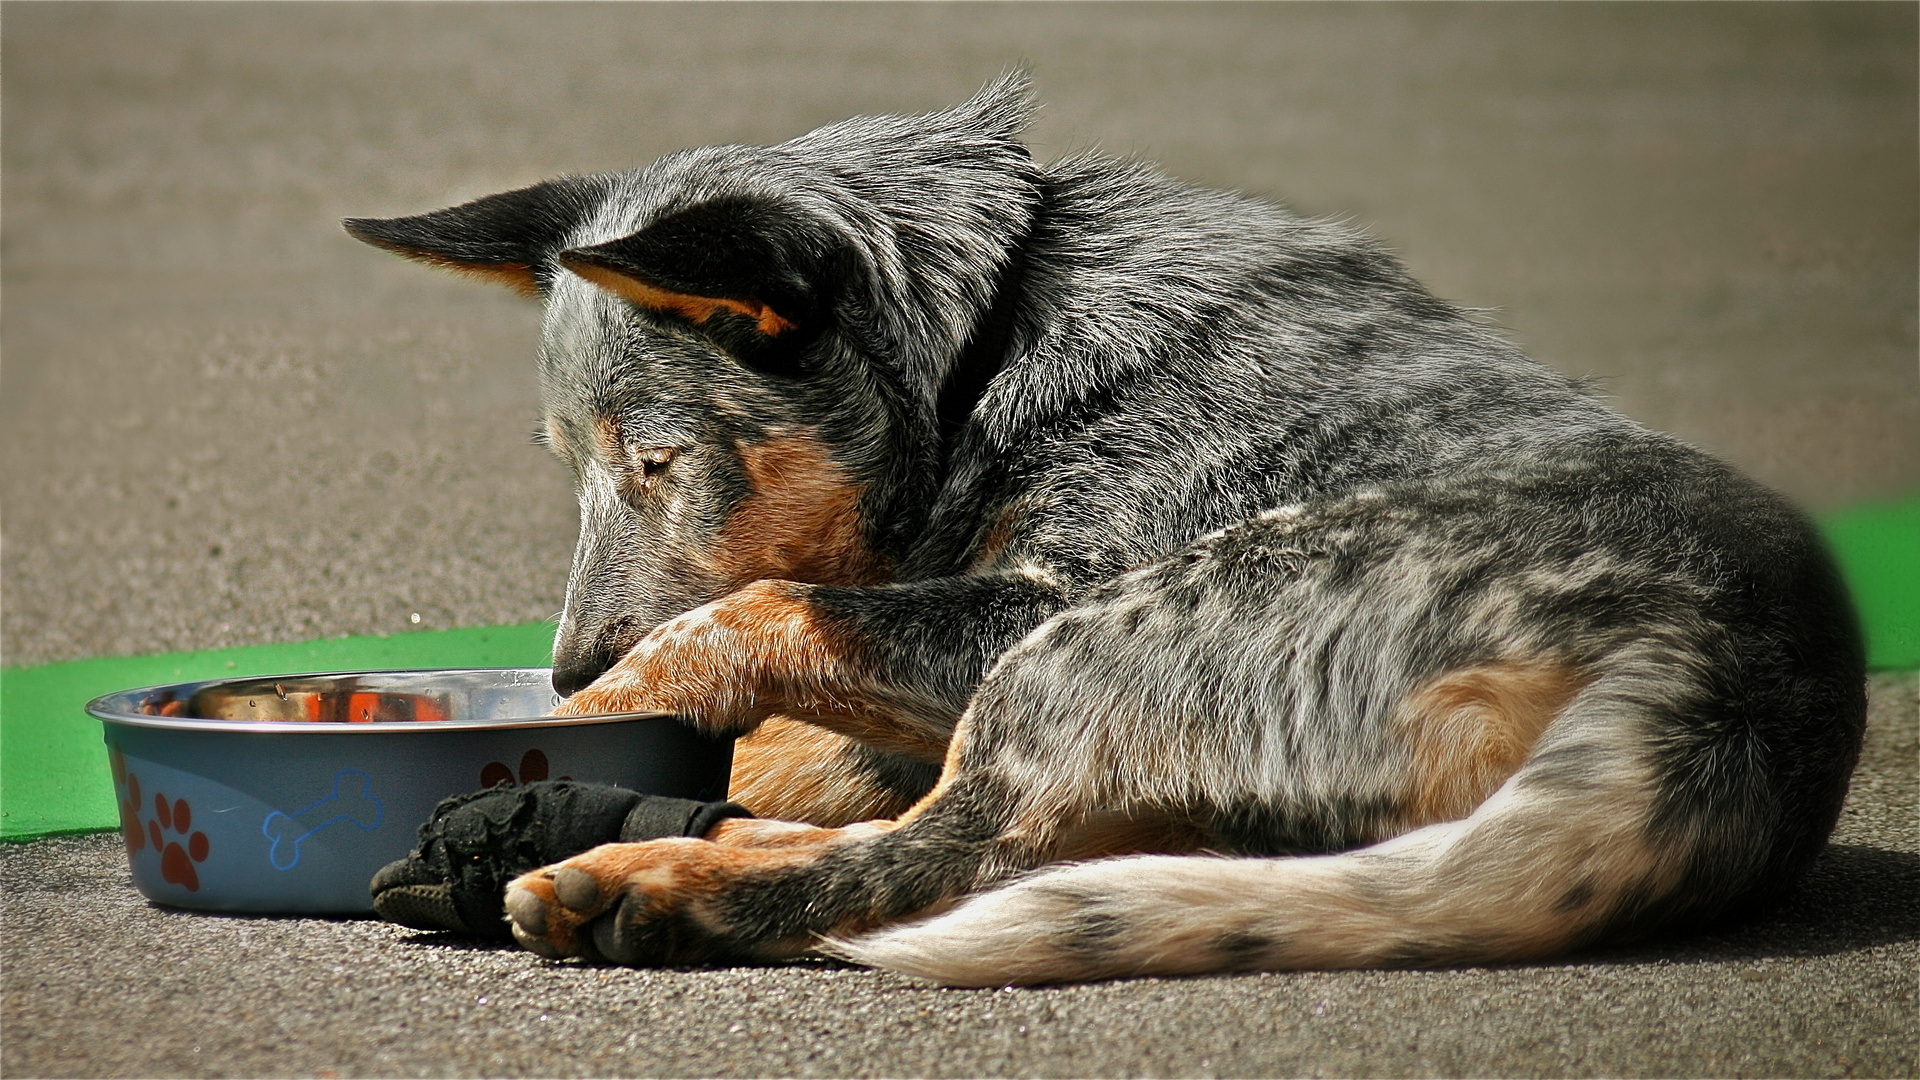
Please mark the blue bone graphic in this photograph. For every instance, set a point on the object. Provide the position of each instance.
(361, 810)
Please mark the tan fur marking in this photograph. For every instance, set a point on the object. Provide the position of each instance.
(734, 663)
(607, 439)
(949, 769)
(801, 522)
(698, 309)
(1113, 832)
(1468, 730)
(760, 833)
(516, 276)
(999, 535)
(685, 875)
(748, 643)
(674, 875)
(795, 771)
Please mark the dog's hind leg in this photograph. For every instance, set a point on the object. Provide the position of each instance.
(1031, 777)
(1540, 867)
(1670, 767)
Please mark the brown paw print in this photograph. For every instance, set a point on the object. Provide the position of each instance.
(169, 816)
(127, 791)
(176, 863)
(533, 766)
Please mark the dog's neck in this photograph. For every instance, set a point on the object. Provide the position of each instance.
(988, 351)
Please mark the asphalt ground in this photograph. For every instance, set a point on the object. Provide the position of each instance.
(100, 983)
(226, 423)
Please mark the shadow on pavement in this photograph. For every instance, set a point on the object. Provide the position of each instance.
(447, 940)
(1854, 897)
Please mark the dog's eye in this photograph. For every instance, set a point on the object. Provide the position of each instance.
(655, 458)
(651, 461)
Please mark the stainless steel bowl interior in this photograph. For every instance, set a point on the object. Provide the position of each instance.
(360, 700)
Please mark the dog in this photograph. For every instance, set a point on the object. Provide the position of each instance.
(1108, 576)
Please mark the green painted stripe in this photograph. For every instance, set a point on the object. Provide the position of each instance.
(53, 764)
(53, 773)
(1878, 548)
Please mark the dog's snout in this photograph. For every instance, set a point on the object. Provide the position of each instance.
(579, 658)
(576, 663)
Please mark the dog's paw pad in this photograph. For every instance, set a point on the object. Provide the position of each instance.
(577, 889)
(628, 903)
(527, 910)
(554, 906)
(537, 945)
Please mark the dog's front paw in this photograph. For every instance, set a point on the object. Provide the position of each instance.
(697, 666)
(723, 665)
(641, 904)
(620, 691)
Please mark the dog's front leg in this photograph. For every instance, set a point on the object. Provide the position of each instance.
(684, 901)
(892, 666)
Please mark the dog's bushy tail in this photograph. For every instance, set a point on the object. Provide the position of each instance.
(1420, 899)
(1546, 863)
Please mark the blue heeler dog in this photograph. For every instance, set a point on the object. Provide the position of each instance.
(1112, 576)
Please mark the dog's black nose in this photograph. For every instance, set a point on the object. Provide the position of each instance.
(576, 673)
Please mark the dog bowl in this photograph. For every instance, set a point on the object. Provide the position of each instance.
(286, 794)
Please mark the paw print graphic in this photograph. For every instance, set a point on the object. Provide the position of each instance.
(124, 781)
(533, 766)
(176, 863)
(169, 817)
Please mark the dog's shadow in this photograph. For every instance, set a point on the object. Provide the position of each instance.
(1853, 898)
(449, 941)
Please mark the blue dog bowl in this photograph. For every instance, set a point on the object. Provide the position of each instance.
(286, 794)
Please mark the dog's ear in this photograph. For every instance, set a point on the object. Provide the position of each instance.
(503, 238)
(759, 279)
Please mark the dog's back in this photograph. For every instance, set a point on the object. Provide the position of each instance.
(1185, 359)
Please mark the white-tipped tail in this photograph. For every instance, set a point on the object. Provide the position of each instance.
(1526, 875)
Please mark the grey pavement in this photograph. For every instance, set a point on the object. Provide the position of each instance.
(100, 983)
(223, 422)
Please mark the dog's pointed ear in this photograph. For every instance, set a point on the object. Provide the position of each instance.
(758, 278)
(503, 238)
